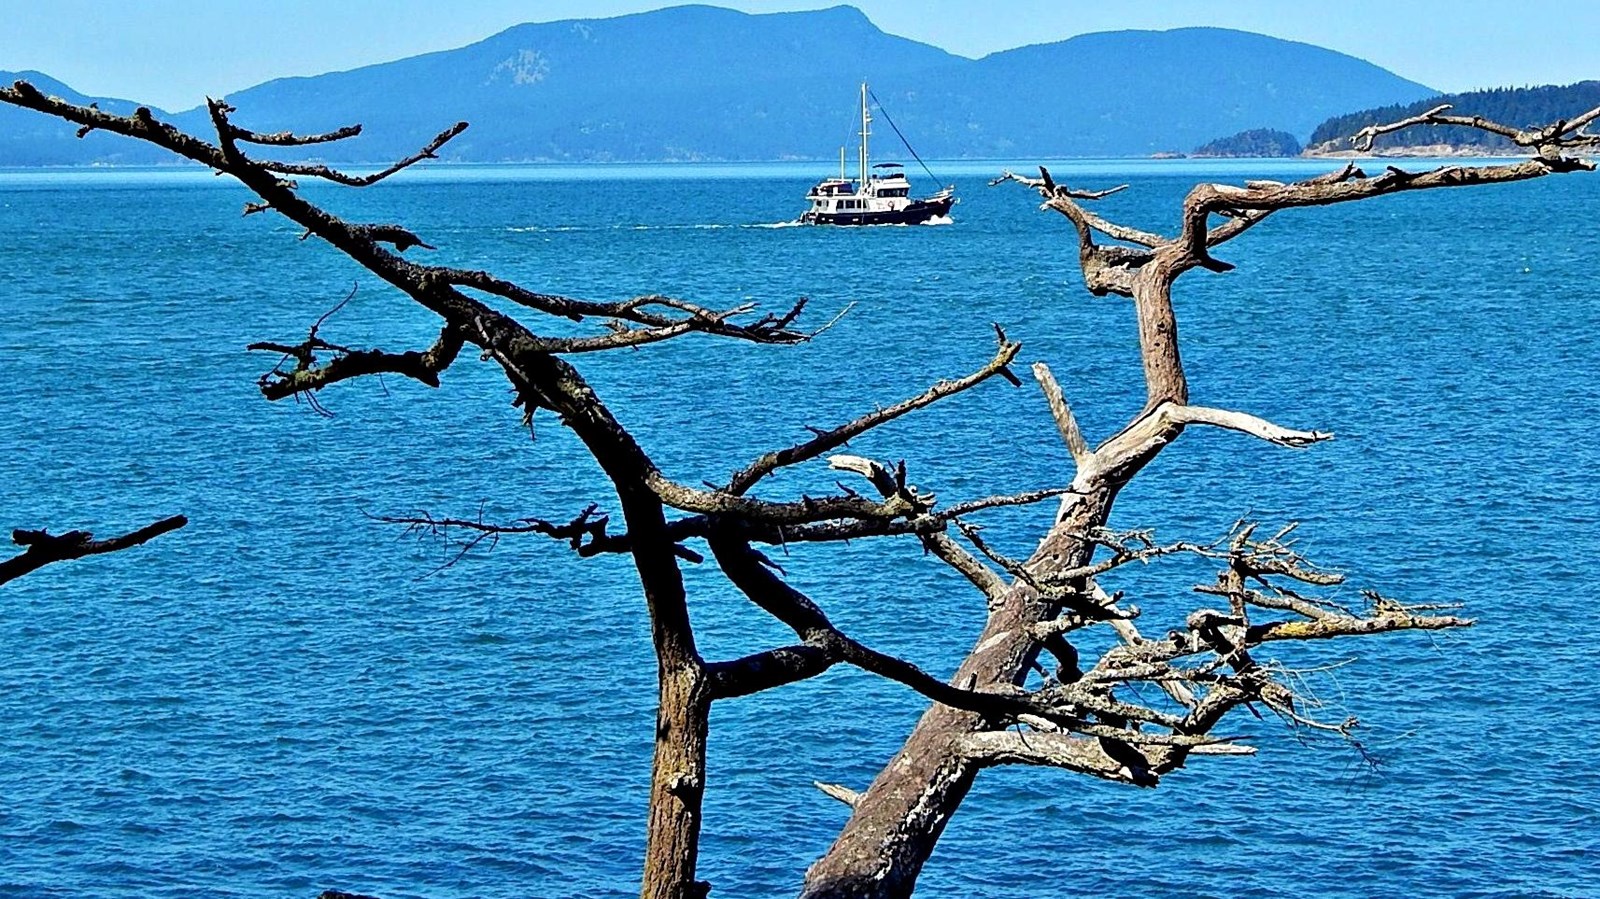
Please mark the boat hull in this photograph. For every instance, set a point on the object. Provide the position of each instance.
(916, 213)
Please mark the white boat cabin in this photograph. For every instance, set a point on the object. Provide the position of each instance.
(885, 191)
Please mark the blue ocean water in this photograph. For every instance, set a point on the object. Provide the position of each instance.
(281, 698)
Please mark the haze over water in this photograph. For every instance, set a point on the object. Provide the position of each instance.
(280, 698)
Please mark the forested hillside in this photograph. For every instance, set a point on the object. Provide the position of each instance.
(1518, 107)
(1257, 142)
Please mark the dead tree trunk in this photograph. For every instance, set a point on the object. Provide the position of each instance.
(677, 783)
(1081, 720)
(896, 822)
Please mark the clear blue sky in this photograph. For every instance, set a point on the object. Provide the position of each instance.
(172, 53)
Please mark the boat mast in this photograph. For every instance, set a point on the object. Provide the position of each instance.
(841, 163)
(866, 118)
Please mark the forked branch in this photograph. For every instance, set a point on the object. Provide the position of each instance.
(309, 375)
(230, 134)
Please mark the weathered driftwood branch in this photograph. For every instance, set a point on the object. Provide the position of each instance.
(1549, 140)
(42, 548)
(290, 139)
(838, 791)
(898, 819)
(1066, 422)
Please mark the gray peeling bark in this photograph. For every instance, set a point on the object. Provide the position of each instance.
(900, 817)
(677, 783)
(895, 824)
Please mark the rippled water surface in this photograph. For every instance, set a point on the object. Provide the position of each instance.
(280, 699)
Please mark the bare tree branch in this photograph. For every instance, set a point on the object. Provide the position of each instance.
(1080, 755)
(825, 441)
(308, 376)
(837, 791)
(290, 139)
(42, 548)
(1547, 141)
(1245, 424)
(316, 170)
(1066, 423)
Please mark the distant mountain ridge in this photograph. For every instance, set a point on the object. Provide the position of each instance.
(705, 83)
(1135, 93)
(30, 139)
(1518, 107)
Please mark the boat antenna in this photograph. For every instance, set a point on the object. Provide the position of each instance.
(903, 140)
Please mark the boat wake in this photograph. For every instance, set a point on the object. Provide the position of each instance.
(552, 229)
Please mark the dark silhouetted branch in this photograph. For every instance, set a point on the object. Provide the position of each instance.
(42, 548)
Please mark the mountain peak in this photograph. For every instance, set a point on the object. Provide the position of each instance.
(704, 82)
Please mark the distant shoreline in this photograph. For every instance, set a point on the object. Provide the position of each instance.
(1432, 151)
